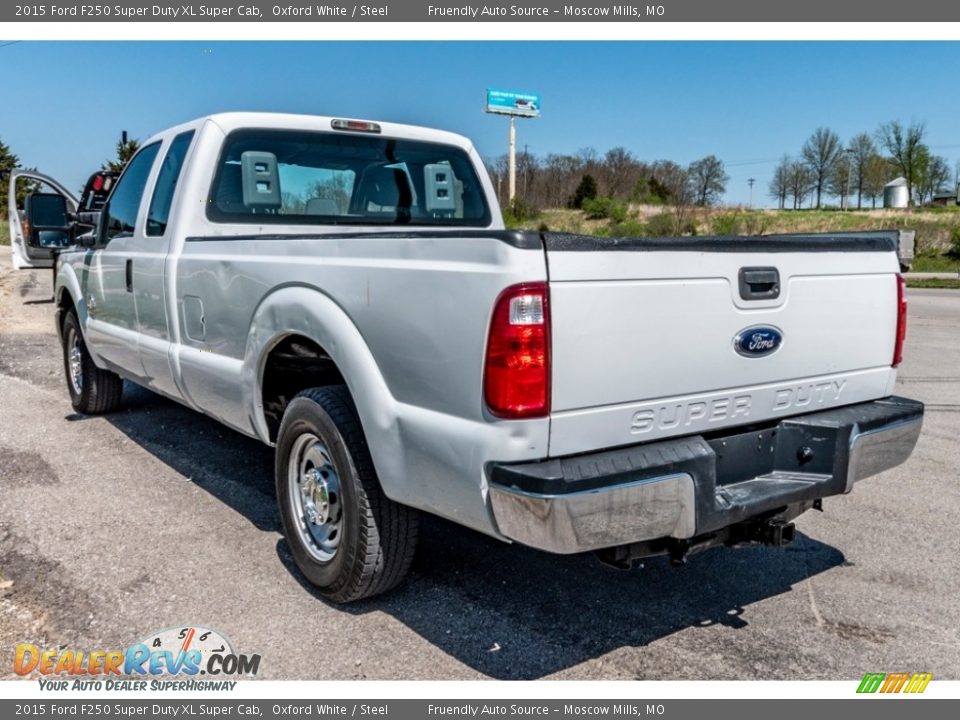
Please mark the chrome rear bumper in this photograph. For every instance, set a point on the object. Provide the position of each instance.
(693, 486)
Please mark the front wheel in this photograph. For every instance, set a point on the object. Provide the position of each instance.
(346, 536)
(92, 389)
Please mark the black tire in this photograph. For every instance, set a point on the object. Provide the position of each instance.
(373, 538)
(94, 390)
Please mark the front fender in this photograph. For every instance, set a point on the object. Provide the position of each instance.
(67, 283)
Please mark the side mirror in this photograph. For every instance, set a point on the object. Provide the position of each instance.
(45, 220)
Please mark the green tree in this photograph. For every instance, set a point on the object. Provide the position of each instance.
(906, 149)
(821, 152)
(125, 151)
(586, 190)
(876, 174)
(8, 163)
(709, 180)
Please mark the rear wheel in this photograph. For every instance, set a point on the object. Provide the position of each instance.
(345, 535)
(92, 389)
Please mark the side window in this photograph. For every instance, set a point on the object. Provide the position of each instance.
(125, 201)
(162, 199)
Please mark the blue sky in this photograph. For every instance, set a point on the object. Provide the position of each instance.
(746, 102)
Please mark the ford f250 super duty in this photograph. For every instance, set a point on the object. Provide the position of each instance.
(346, 291)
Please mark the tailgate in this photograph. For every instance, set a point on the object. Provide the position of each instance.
(645, 332)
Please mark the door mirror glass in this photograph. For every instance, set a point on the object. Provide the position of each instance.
(46, 223)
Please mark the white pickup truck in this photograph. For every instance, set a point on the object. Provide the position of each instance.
(346, 291)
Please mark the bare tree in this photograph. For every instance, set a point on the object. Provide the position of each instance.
(876, 174)
(497, 168)
(336, 188)
(801, 182)
(780, 184)
(860, 149)
(934, 178)
(821, 152)
(560, 177)
(619, 171)
(709, 180)
(906, 149)
(678, 183)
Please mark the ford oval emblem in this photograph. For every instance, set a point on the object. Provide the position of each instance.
(758, 341)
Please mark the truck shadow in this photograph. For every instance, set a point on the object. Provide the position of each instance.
(513, 613)
(235, 469)
(503, 610)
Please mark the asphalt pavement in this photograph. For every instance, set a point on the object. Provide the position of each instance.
(113, 527)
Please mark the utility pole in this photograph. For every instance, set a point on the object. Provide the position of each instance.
(750, 182)
(512, 160)
(846, 200)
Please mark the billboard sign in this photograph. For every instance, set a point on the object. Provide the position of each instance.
(508, 102)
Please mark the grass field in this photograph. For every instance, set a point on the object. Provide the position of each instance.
(942, 283)
(935, 227)
(4, 232)
(935, 263)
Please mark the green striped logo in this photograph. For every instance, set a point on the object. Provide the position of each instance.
(894, 682)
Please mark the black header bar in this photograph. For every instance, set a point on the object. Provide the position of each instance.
(735, 11)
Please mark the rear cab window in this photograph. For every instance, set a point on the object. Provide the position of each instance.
(331, 178)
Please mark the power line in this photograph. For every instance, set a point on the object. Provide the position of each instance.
(11, 42)
(752, 162)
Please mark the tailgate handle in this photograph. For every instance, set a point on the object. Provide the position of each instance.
(759, 283)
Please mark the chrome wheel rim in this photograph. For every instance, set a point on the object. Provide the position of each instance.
(75, 362)
(314, 493)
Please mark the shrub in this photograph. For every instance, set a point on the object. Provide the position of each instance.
(629, 228)
(605, 207)
(618, 212)
(519, 212)
(954, 249)
(727, 224)
(662, 225)
(756, 223)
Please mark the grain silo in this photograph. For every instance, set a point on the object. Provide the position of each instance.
(895, 194)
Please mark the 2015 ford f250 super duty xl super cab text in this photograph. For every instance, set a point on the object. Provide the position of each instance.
(346, 291)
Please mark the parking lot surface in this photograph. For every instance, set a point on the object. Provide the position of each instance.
(114, 527)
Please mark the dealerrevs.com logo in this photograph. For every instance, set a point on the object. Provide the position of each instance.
(185, 652)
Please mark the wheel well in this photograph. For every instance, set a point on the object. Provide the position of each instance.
(294, 364)
(65, 304)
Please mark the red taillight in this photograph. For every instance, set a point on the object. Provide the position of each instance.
(516, 380)
(901, 321)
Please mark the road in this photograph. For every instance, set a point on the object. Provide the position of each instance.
(113, 527)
